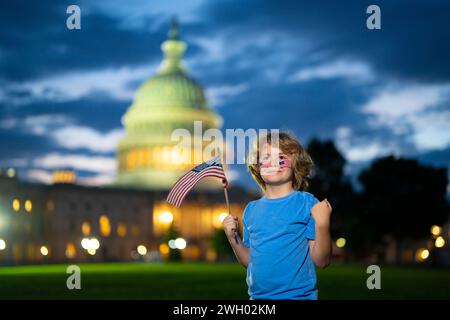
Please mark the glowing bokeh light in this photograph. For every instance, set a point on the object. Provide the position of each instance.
(340, 243)
(180, 243)
(44, 250)
(142, 250)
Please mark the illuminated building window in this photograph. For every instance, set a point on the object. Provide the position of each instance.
(17, 252)
(211, 255)
(180, 156)
(71, 250)
(28, 206)
(61, 176)
(30, 251)
(131, 160)
(135, 231)
(156, 157)
(105, 226)
(164, 249)
(151, 160)
(50, 205)
(86, 228)
(165, 153)
(142, 158)
(145, 157)
(121, 230)
(16, 205)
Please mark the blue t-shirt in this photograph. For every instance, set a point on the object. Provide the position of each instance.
(277, 231)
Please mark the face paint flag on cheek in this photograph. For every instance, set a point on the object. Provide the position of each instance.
(286, 163)
(268, 169)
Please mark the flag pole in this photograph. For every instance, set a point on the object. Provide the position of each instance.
(226, 199)
(229, 212)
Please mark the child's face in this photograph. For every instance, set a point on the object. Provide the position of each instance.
(270, 157)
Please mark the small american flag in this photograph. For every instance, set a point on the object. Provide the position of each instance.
(210, 168)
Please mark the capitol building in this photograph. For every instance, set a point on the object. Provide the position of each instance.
(129, 219)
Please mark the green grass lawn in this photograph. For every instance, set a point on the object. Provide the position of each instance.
(209, 281)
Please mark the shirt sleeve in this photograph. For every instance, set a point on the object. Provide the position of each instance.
(246, 240)
(246, 236)
(311, 227)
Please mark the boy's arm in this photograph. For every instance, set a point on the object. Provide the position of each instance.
(320, 248)
(240, 250)
(230, 225)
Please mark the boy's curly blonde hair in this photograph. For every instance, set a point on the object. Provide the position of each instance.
(302, 163)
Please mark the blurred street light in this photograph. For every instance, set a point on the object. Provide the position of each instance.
(91, 245)
(440, 242)
(171, 244)
(180, 243)
(44, 250)
(436, 230)
(142, 250)
(164, 248)
(422, 254)
(11, 172)
(340, 243)
(85, 243)
(95, 244)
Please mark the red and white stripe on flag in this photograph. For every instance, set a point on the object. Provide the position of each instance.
(210, 168)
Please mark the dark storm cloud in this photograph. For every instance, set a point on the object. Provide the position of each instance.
(35, 42)
(96, 111)
(303, 108)
(412, 45)
(16, 145)
(300, 105)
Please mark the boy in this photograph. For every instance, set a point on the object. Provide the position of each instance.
(287, 230)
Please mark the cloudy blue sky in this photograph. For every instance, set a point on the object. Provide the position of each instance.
(309, 66)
